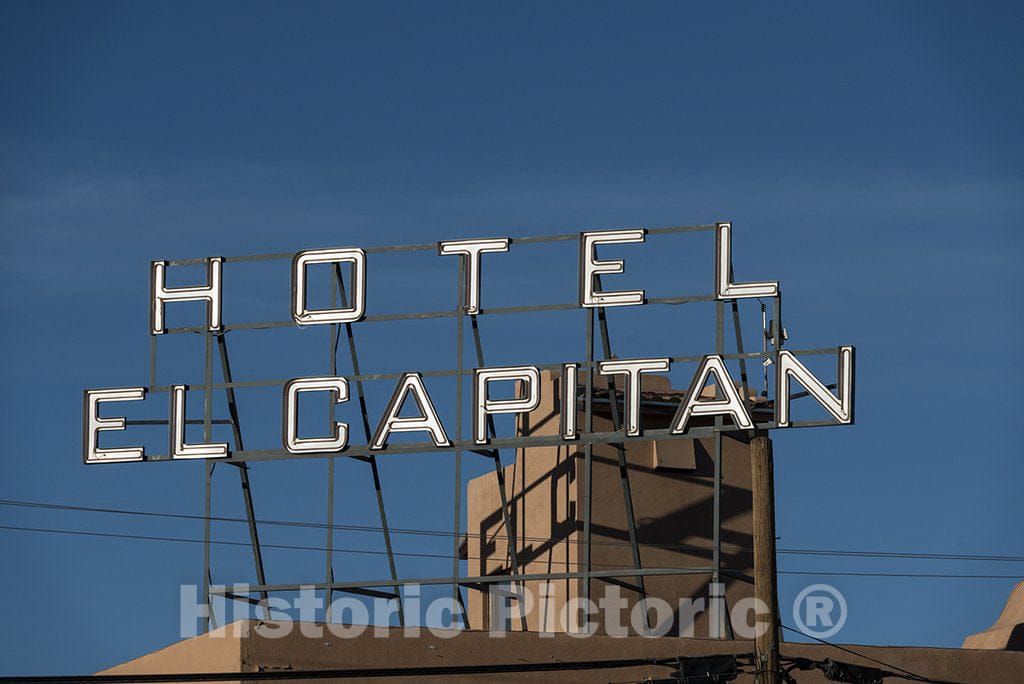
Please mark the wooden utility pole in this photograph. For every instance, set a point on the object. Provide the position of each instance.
(766, 646)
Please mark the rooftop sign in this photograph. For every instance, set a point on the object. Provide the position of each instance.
(731, 402)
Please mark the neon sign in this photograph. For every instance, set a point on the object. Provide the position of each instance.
(411, 391)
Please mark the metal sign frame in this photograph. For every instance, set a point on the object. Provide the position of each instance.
(467, 309)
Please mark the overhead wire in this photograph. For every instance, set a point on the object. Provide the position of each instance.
(812, 552)
(347, 673)
(413, 554)
(449, 533)
(908, 673)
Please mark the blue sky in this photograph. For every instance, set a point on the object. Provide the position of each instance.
(869, 156)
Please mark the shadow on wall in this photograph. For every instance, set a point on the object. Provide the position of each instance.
(671, 486)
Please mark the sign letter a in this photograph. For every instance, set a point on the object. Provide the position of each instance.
(410, 383)
(730, 405)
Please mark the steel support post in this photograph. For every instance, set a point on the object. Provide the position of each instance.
(243, 471)
(208, 470)
(370, 458)
(457, 466)
(716, 577)
(332, 362)
(588, 458)
(620, 450)
(512, 540)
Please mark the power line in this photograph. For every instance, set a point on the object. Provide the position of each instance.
(322, 526)
(902, 555)
(699, 664)
(417, 671)
(273, 675)
(295, 547)
(458, 669)
(224, 542)
(448, 533)
(923, 575)
(221, 542)
(908, 673)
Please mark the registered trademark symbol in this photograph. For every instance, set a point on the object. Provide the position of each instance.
(820, 611)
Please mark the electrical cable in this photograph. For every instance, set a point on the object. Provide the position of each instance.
(295, 547)
(908, 673)
(277, 675)
(444, 533)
